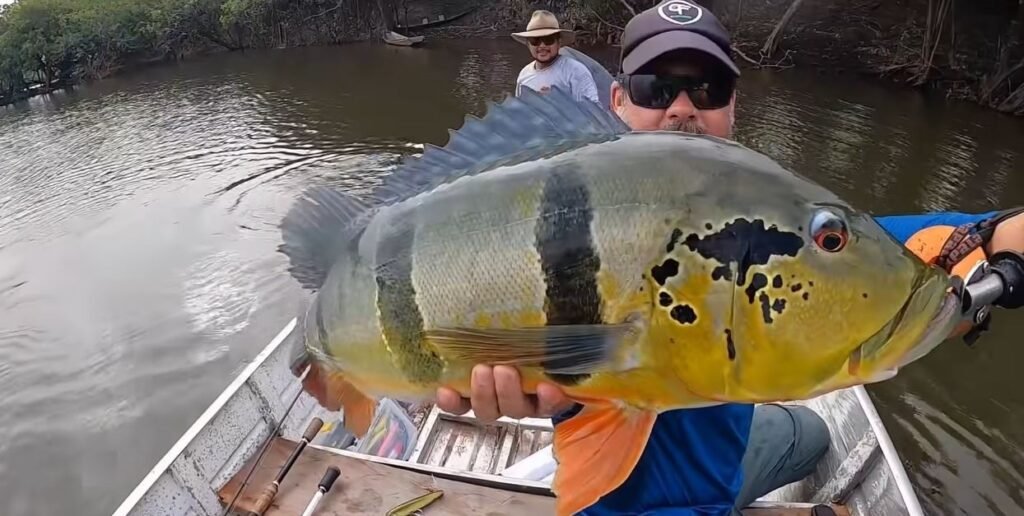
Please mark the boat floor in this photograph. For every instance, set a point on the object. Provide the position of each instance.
(367, 487)
(372, 486)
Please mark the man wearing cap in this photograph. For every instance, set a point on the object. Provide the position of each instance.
(676, 74)
(704, 461)
(544, 38)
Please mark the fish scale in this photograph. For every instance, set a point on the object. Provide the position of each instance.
(644, 272)
(467, 243)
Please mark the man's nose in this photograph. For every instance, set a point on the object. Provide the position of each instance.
(681, 107)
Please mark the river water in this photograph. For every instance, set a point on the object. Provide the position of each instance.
(138, 269)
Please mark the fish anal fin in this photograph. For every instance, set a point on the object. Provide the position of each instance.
(596, 451)
(569, 349)
(334, 392)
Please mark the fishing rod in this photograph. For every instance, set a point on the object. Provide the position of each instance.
(269, 492)
(266, 444)
(321, 489)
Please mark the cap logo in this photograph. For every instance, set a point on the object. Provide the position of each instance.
(680, 12)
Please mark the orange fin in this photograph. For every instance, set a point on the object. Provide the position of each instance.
(334, 392)
(596, 451)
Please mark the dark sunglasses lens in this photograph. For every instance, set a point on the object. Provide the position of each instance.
(547, 40)
(655, 92)
(650, 92)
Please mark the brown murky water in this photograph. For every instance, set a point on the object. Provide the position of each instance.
(138, 269)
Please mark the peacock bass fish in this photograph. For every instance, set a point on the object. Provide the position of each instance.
(640, 271)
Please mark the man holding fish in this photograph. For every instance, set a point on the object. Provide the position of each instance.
(677, 76)
(665, 281)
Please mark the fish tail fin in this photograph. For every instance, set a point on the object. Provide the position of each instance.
(321, 221)
(586, 470)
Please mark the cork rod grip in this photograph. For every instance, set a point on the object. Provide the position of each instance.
(265, 499)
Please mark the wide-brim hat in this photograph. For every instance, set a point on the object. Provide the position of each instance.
(543, 23)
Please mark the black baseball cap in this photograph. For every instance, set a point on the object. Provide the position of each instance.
(673, 25)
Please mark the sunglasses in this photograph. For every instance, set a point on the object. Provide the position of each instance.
(651, 91)
(549, 40)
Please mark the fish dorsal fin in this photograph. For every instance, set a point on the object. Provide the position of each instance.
(322, 220)
(530, 126)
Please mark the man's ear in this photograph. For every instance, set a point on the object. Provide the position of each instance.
(617, 97)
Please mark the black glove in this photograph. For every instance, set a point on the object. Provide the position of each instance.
(1009, 265)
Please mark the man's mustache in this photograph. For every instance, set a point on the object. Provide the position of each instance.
(686, 126)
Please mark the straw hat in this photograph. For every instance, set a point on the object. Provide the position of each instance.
(543, 23)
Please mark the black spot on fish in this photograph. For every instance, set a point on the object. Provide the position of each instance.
(569, 261)
(664, 299)
(810, 283)
(796, 287)
(777, 281)
(673, 240)
(729, 345)
(779, 305)
(865, 295)
(746, 243)
(661, 273)
(806, 296)
(757, 282)
(683, 314)
(766, 309)
(721, 272)
(708, 226)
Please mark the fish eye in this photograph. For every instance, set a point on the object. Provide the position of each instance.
(829, 231)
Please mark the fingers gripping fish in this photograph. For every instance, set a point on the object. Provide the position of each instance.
(643, 272)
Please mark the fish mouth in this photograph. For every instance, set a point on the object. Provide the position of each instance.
(907, 336)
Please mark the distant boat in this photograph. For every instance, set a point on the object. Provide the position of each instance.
(394, 38)
(440, 20)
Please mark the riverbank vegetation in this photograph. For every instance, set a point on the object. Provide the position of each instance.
(964, 49)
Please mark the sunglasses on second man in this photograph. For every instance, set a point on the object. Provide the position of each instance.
(548, 40)
(711, 91)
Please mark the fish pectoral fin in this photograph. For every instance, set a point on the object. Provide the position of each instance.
(570, 349)
(334, 392)
(596, 450)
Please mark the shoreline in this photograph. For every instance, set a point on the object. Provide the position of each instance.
(881, 44)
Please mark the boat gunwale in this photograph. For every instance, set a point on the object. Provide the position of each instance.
(165, 462)
(892, 460)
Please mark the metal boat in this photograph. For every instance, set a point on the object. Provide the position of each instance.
(500, 468)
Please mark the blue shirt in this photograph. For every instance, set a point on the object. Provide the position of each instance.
(691, 465)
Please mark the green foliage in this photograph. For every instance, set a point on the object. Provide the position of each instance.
(45, 44)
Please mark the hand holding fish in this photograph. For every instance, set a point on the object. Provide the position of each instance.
(498, 392)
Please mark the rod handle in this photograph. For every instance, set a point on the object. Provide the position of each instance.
(265, 499)
(313, 429)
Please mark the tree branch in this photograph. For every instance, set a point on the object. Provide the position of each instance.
(629, 8)
(602, 20)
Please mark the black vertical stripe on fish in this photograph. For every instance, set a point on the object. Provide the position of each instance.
(568, 259)
(400, 318)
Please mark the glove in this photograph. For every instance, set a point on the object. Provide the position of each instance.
(1009, 265)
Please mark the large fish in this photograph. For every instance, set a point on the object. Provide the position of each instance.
(641, 271)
